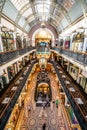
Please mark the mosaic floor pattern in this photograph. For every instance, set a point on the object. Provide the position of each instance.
(53, 117)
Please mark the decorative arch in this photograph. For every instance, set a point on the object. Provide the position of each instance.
(37, 31)
(49, 27)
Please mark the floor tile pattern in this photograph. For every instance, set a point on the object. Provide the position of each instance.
(52, 116)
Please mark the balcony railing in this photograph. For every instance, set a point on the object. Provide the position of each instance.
(79, 111)
(79, 56)
(7, 56)
(6, 109)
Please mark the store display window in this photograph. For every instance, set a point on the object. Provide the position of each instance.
(3, 80)
(83, 82)
(8, 41)
(25, 59)
(10, 72)
(24, 43)
(78, 41)
(86, 88)
(61, 42)
(1, 83)
(73, 71)
(15, 68)
(18, 42)
(20, 64)
(67, 44)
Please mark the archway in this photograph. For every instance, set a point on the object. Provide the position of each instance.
(42, 35)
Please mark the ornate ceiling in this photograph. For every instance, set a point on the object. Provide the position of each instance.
(58, 13)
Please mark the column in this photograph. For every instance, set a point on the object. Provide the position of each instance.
(1, 44)
(62, 62)
(22, 41)
(20, 101)
(29, 41)
(14, 35)
(64, 42)
(66, 100)
(68, 66)
(18, 66)
(6, 75)
(85, 41)
(71, 39)
(79, 76)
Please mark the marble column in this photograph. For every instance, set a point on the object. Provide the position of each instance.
(85, 41)
(1, 44)
(14, 36)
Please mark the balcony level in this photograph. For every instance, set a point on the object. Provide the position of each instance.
(77, 56)
(10, 55)
(12, 93)
(76, 97)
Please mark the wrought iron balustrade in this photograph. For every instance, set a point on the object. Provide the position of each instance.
(77, 110)
(79, 56)
(10, 105)
(7, 56)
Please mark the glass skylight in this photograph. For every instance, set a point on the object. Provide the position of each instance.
(42, 9)
(19, 3)
(27, 13)
(67, 3)
(31, 18)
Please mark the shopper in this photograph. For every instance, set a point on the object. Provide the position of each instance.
(44, 126)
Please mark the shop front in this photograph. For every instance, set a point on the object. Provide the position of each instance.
(24, 42)
(78, 42)
(73, 71)
(11, 73)
(18, 41)
(3, 80)
(20, 65)
(7, 40)
(83, 81)
(67, 43)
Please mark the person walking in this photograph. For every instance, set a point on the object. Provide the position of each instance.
(44, 126)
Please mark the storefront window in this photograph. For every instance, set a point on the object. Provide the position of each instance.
(20, 64)
(78, 41)
(24, 43)
(73, 71)
(1, 83)
(86, 88)
(8, 41)
(83, 82)
(18, 42)
(10, 72)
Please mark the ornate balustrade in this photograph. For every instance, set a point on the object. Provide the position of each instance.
(7, 56)
(79, 56)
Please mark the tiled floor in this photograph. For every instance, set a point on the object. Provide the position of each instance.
(53, 117)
